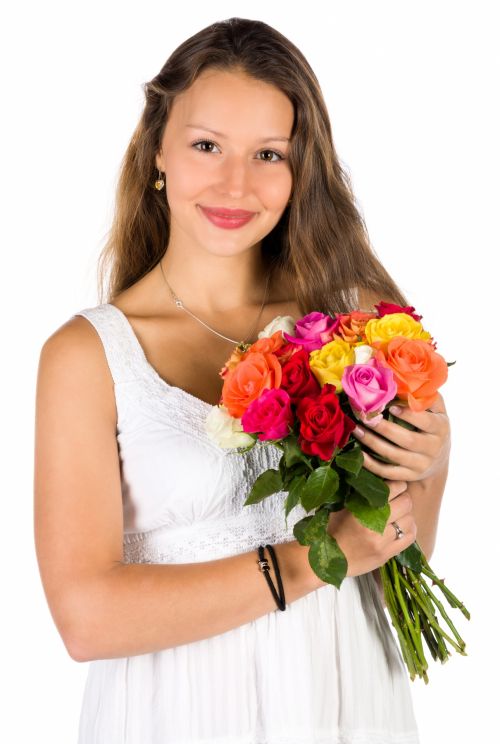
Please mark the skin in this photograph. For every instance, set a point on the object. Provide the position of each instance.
(215, 270)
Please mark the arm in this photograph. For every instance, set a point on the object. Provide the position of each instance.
(102, 607)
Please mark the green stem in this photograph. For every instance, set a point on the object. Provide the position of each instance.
(432, 619)
(395, 617)
(420, 662)
(438, 604)
(452, 600)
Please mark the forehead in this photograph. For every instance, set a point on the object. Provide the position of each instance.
(232, 99)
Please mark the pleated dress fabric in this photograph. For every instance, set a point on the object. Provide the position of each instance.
(327, 670)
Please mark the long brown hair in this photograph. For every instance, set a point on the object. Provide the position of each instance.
(320, 242)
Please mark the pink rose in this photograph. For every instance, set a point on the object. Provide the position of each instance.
(369, 388)
(313, 331)
(269, 414)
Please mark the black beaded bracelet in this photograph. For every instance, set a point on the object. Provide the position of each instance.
(264, 567)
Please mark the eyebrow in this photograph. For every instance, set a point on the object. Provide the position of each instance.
(219, 134)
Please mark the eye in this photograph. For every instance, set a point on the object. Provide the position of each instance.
(279, 155)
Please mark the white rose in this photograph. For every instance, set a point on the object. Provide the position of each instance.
(280, 323)
(362, 354)
(225, 430)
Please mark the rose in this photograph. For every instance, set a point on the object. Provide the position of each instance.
(323, 424)
(328, 363)
(351, 326)
(248, 379)
(363, 353)
(270, 414)
(313, 331)
(379, 331)
(418, 370)
(280, 323)
(297, 378)
(285, 352)
(369, 387)
(237, 355)
(387, 308)
(225, 430)
(267, 344)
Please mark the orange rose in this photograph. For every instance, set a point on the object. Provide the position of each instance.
(236, 357)
(418, 370)
(257, 372)
(352, 326)
(269, 344)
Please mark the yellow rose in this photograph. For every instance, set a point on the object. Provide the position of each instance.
(327, 364)
(379, 331)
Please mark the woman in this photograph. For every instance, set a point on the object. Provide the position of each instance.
(232, 208)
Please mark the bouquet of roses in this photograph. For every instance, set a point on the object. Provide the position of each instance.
(301, 386)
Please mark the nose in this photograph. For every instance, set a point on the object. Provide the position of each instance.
(234, 179)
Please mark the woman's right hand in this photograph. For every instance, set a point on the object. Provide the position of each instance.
(366, 550)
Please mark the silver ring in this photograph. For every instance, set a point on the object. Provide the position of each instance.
(399, 531)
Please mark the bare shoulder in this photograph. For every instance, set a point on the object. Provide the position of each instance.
(72, 361)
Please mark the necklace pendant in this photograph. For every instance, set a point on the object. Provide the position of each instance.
(178, 303)
(242, 346)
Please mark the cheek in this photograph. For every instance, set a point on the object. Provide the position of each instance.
(274, 189)
(186, 179)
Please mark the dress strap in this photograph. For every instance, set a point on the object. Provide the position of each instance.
(121, 346)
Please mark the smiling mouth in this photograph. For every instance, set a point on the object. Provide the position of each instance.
(237, 214)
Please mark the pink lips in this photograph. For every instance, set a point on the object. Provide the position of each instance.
(227, 218)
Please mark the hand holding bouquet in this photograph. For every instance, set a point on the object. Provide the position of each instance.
(303, 386)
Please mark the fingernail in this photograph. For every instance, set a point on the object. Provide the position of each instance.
(395, 409)
(359, 432)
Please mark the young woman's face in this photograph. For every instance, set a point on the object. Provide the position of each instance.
(244, 166)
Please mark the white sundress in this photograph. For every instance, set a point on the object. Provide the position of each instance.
(327, 670)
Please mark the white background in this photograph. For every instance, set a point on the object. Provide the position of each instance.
(412, 91)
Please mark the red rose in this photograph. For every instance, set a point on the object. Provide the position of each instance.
(297, 378)
(386, 308)
(323, 424)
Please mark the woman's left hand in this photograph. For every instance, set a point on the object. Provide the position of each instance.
(418, 454)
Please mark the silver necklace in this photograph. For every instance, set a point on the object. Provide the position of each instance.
(242, 345)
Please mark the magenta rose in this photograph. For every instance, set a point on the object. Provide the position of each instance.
(369, 388)
(386, 308)
(269, 414)
(297, 378)
(313, 331)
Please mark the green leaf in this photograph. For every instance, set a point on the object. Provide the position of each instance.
(411, 557)
(370, 486)
(266, 484)
(316, 527)
(320, 487)
(294, 492)
(351, 461)
(374, 518)
(300, 528)
(327, 560)
(293, 453)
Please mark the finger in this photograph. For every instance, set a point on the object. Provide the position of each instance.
(429, 421)
(401, 506)
(393, 472)
(414, 441)
(405, 523)
(403, 445)
(396, 488)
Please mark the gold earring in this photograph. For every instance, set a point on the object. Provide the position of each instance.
(159, 183)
